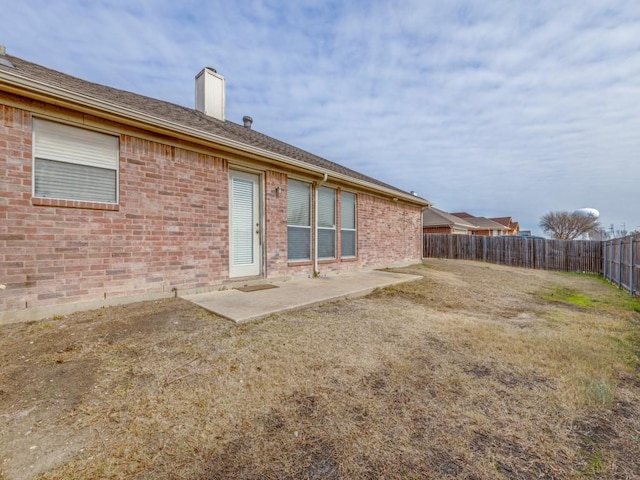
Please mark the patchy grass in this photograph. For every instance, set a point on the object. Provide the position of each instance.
(570, 296)
(473, 372)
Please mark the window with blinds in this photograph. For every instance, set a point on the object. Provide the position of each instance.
(298, 220)
(72, 163)
(326, 222)
(348, 231)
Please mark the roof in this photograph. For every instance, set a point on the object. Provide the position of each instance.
(26, 78)
(434, 217)
(462, 215)
(507, 222)
(484, 223)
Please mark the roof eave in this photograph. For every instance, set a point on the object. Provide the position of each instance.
(30, 88)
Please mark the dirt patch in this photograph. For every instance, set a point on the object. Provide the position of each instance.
(470, 373)
(52, 370)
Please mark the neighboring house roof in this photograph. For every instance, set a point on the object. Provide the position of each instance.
(462, 215)
(434, 217)
(484, 223)
(26, 78)
(507, 222)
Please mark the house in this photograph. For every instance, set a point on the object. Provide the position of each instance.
(110, 197)
(513, 228)
(485, 226)
(435, 220)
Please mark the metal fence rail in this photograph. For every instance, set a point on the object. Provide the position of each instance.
(621, 262)
(560, 255)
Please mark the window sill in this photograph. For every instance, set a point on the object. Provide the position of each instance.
(55, 202)
(298, 263)
(349, 259)
(327, 260)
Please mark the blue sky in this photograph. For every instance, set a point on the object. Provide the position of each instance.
(496, 108)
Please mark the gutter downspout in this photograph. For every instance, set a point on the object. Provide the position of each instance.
(316, 272)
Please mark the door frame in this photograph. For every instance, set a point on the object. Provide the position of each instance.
(257, 267)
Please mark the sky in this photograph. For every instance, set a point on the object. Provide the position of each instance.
(501, 108)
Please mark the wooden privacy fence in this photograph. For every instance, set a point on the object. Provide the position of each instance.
(561, 255)
(621, 262)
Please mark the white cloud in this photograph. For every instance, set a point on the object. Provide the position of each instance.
(498, 108)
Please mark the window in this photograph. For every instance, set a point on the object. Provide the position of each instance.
(72, 163)
(326, 222)
(298, 220)
(348, 224)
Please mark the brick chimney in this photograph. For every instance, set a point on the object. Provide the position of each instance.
(210, 93)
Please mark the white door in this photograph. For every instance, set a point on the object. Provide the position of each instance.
(245, 249)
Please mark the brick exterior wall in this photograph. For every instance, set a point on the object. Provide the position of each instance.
(437, 230)
(388, 232)
(170, 229)
(276, 224)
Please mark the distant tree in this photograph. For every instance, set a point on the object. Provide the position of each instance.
(568, 225)
(623, 232)
(599, 234)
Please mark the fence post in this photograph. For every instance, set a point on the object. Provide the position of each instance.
(631, 265)
(620, 264)
(612, 255)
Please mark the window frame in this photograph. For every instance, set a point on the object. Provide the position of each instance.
(299, 226)
(343, 229)
(107, 158)
(326, 228)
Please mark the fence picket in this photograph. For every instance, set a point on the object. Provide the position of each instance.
(619, 262)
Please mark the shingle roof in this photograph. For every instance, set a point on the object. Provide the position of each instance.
(506, 221)
(462, 215)
(484, 223)
(183, 116)
(434, 217)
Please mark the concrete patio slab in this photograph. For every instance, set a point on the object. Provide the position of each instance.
(293, 294)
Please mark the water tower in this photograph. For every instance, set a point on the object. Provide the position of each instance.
(587, 212)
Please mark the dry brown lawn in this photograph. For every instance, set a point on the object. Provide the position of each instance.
(478, 372)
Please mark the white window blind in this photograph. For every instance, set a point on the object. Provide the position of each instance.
(298, 220)
(242, 221)
(72, 163)
(326, 222)
(348, 231)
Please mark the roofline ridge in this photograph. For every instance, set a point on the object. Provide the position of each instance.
(15, 78)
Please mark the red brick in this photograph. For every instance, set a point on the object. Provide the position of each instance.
(170, 227)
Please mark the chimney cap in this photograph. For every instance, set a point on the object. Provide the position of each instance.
(247, 120)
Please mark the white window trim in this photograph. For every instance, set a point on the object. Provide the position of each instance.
(332, 228)
(306, 227)
(103, 154)
(355, 225)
